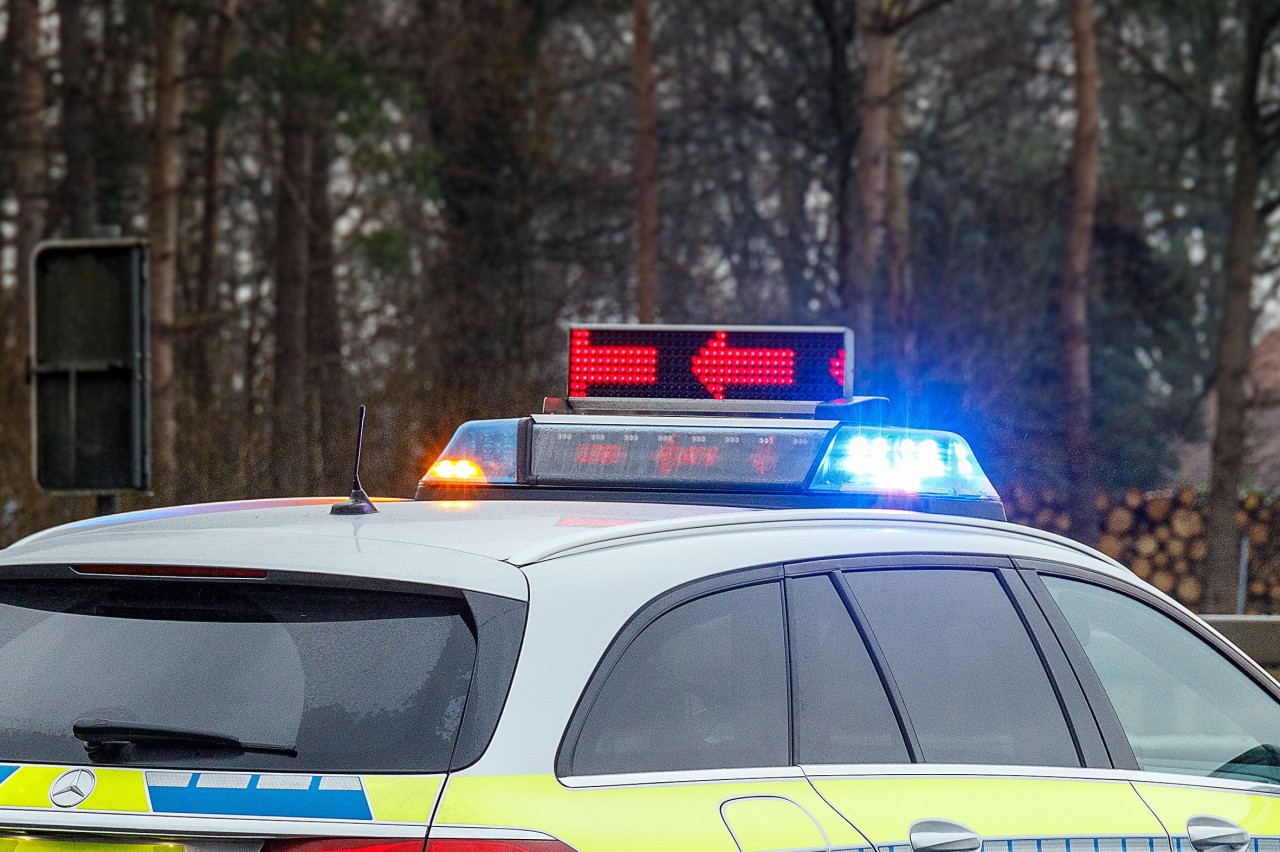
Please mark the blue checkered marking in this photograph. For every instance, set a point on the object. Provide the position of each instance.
(6, 771)
(257, 799)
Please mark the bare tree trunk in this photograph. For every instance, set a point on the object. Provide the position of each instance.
(646, 165)
(8, 119)
(790, 246)
(14, 460)
(290, 421)
(215, 147)
(878, 44)
(29, 163)
(164, 176)
(331, 414)
(1077, 395)
(114, 101)
(1235, 325)
(8, 70)
(29, 167)
(80, 183)
(840, 91)
(897, 249)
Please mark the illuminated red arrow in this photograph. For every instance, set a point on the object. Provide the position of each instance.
(717, 366)
(837, 368)
(608, 365)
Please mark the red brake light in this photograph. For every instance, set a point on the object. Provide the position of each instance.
(461, 845)
(343, 844)
(183, 571)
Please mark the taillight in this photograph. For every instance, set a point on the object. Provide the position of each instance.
(343, 844)
(463, 845)
(184, 571)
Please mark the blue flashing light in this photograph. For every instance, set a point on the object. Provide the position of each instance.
(904, 461)
(481, 451)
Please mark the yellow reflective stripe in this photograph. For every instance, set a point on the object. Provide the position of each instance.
(114, 789)
(29, 787)
(1259, 815)
(884, 808)
(117, 790)
(402, 798)
(673, 816)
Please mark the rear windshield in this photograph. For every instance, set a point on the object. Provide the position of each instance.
(352, 680)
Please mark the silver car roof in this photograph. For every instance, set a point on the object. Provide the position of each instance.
(448, 543)
(470, 545)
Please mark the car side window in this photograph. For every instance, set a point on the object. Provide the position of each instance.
(702, 687)
(842, 714)
(970, 677)
(1185, 708)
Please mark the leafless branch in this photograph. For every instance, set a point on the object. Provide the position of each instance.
(910, 14)
(1131, 51)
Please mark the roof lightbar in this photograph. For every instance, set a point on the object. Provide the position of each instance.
(833, 454)
(687, 459)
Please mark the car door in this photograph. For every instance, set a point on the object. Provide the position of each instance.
(681, 740)
(1203, 722)
(967, 729)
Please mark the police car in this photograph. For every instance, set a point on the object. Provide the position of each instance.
(596, 631)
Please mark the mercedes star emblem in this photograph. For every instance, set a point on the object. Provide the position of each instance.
(72, 787)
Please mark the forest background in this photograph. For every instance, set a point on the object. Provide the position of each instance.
(1050, 224)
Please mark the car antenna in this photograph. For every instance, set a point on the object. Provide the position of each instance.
(359, 504)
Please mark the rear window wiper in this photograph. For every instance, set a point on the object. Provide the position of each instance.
(102, 737)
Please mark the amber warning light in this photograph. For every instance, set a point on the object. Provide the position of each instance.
(711, 362)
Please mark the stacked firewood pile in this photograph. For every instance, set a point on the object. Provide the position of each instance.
(1161, 537)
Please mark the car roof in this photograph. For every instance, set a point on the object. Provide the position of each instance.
(459, 544)
(478, 545)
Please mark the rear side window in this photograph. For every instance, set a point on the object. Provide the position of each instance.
(970, 678)
(842, 714)
(354, 680)
(702, 687)
(1184, 707)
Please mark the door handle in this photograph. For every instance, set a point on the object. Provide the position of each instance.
(1215, 834)
(943, 835)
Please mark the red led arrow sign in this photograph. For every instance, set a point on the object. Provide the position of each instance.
(608, 365)
(717, 366)
(727, 362)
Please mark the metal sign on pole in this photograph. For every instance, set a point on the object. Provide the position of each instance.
(90, 367)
